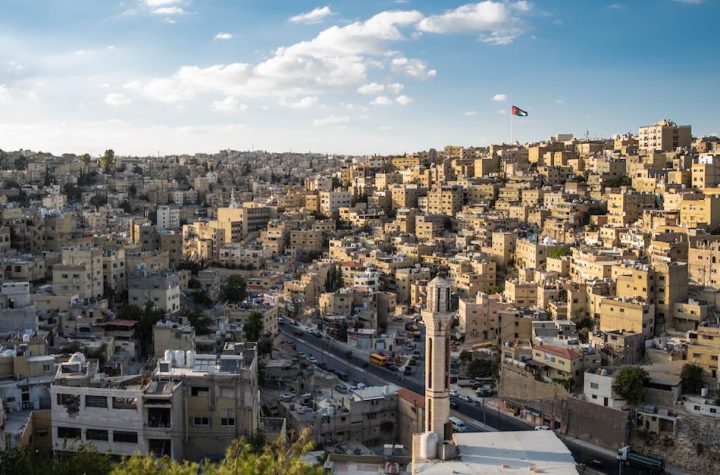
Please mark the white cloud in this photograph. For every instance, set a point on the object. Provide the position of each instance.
(502, 111)
(228, 104)
(305, 102)
(167, 7)
(381, 101)
(371, 88)
(499, 97)
(338, 58)
(496, 22)
(15, 66)
(471, 113)
(223, 36)
(403, 100)
(412, 67)
(117, 99)
(395, 87)
(331, 120)
(314, 16)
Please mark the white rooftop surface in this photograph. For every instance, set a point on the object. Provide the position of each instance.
(504, 452)
(374, 392)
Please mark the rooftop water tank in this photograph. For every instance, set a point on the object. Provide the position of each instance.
(179, 358)
(190, 358)
(168, 355)
(428, 445)
(77, 358)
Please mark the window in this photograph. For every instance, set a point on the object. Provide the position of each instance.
(594, 385)
(201, 421)
(68, 432)
(95, 401)
(199, 391)
(95, 434)
(227, 418)
(126, 437)
(124, 403)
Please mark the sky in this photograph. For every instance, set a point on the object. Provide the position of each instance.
(153, 77)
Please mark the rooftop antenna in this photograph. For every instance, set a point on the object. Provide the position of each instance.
(587, 135)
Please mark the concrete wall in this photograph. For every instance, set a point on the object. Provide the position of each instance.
(599, 425)
(520, 384)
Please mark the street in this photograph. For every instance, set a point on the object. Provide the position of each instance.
(359, 370)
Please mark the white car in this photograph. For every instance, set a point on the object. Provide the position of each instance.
(542, 428)
(465, 398)
(454, 393)
(313, 360)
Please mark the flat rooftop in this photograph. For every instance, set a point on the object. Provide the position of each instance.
(505, 452)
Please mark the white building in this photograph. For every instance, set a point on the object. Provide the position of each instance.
(332, 201)
(598, 388)
(168, 218)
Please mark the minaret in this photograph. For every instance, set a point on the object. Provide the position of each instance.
(437, 318)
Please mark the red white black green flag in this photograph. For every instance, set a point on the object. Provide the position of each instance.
(518, 112)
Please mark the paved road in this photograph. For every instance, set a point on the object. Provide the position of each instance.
(359, 370)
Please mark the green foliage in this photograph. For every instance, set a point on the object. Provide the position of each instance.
(43, 462)
(253, 326)
(480, 369)
(107, 161)
(10, 183)
(241, 457)
(199, 321)
(465, 355)
(691, 377)
(622, 180)
(72, 192)
(201, 297)
(566, 383)
(559, 252)
(146, 317)
(630, 384)
(342, 331)
(234, 290)
(98, 201)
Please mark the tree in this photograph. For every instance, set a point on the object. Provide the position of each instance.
(241, 457)
(40, 462)
(146, 317)
(691, 377)
(559, 252)
(107, 161)
(234, 290)
(199, 321)
(132, 190)
(201, 297)
(98, 201)
(253, 326)
(342, 331)
(630, 384)
(480, 369)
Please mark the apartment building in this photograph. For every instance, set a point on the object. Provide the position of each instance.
(17, 309)
(80, 273)
(627, 206)
(162, 289)
(332, 201)
(168, 218)
(664, 136)
(446, 199)
(192, 408)
(629, 315)
(404, 278)
(478, 317)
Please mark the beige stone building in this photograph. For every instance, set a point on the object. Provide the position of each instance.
(665, 136)
(81, 273)
(629, 315)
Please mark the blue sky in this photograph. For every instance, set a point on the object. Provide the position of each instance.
(174, 76)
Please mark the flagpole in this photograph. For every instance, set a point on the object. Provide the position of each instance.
(511, 127)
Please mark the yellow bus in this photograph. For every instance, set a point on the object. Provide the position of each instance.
(378, 359)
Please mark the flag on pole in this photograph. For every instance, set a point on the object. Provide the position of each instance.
(519, 112)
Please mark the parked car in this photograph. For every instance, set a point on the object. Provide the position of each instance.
(454, 393)
(465, 398)
(323, 366)
(298, 332)
(407, 371)
(453, 404)
(542, 428)
(391, 367)
(341, 388)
